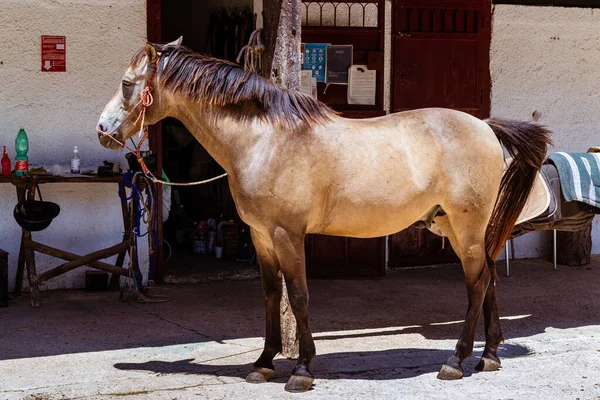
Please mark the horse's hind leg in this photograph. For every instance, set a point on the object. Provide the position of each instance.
(493, 331)
(467, 236)
(271, 283)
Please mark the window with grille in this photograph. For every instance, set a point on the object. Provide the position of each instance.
(356, 14)
(359, 23)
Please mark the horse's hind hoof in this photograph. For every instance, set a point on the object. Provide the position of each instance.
(448, 373)
(259, 375)
(299, 383)
(488, 364)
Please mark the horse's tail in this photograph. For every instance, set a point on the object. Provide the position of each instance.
(526, 142)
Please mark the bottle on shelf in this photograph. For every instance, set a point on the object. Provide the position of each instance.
(6, 169)
(21, 147)
(195, 239)
(75, 162)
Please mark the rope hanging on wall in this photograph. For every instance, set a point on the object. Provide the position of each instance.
(252, 53)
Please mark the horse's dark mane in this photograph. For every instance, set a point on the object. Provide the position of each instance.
(222, 83)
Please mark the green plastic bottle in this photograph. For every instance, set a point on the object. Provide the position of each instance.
(21, 146)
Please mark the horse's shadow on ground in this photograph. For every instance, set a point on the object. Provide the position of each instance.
(370, 365)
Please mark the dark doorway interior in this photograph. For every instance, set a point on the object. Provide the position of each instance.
(198, 220)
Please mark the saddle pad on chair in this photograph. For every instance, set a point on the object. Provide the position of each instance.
(562, 215)
(579, 176)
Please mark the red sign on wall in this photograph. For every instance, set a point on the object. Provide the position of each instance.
(54, 53)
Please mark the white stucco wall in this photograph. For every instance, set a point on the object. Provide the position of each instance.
(60, 110)
(547, 59)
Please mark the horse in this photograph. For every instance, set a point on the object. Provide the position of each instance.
(296, 167)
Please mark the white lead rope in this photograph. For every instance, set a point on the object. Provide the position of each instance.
(156, 180)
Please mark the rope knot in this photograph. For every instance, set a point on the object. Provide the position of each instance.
(140, 160)
(146, 97)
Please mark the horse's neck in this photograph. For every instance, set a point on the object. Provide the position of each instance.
(225, 138)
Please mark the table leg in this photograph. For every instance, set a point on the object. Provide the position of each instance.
(115, 279)
(32, 273)
(21, 262)
(30, 256)
(20, 268)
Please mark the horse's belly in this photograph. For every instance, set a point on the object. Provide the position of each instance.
(371, 220)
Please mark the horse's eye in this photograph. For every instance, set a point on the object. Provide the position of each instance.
(126, 83)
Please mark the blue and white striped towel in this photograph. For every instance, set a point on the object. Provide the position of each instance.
(579, 175)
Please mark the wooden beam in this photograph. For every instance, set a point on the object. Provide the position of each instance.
(76, 261)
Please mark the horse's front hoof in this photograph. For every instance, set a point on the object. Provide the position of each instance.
(488, 364)
(448, 373)
(259, 375)
(299, 383)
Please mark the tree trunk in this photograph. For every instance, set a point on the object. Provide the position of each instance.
(574, 248)
(282, 66)
(271, 17)
(289, 334)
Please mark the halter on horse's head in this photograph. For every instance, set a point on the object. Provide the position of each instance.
(129, 111)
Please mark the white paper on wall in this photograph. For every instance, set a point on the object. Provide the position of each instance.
(362, 85)
(308, 83)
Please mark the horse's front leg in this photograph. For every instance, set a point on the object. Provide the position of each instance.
(290, 252)
(271, 283)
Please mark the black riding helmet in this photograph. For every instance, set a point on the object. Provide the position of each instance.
(35, 215)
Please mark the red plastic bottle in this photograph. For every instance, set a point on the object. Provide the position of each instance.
(6, 169)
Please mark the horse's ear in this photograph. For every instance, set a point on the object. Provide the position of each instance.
(151, 52)
(175, 42)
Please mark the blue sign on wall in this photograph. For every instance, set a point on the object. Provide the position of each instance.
(314, 58)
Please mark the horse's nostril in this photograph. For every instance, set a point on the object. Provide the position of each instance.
(101, 127)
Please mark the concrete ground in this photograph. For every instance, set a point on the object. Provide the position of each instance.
(376, 339)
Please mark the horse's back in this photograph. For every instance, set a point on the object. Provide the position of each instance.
(431, 143)
(382, 174)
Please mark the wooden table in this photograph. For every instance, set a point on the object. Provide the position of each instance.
(26, 188)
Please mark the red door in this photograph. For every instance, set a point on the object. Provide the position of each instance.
(441, 55)
(440, 59)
